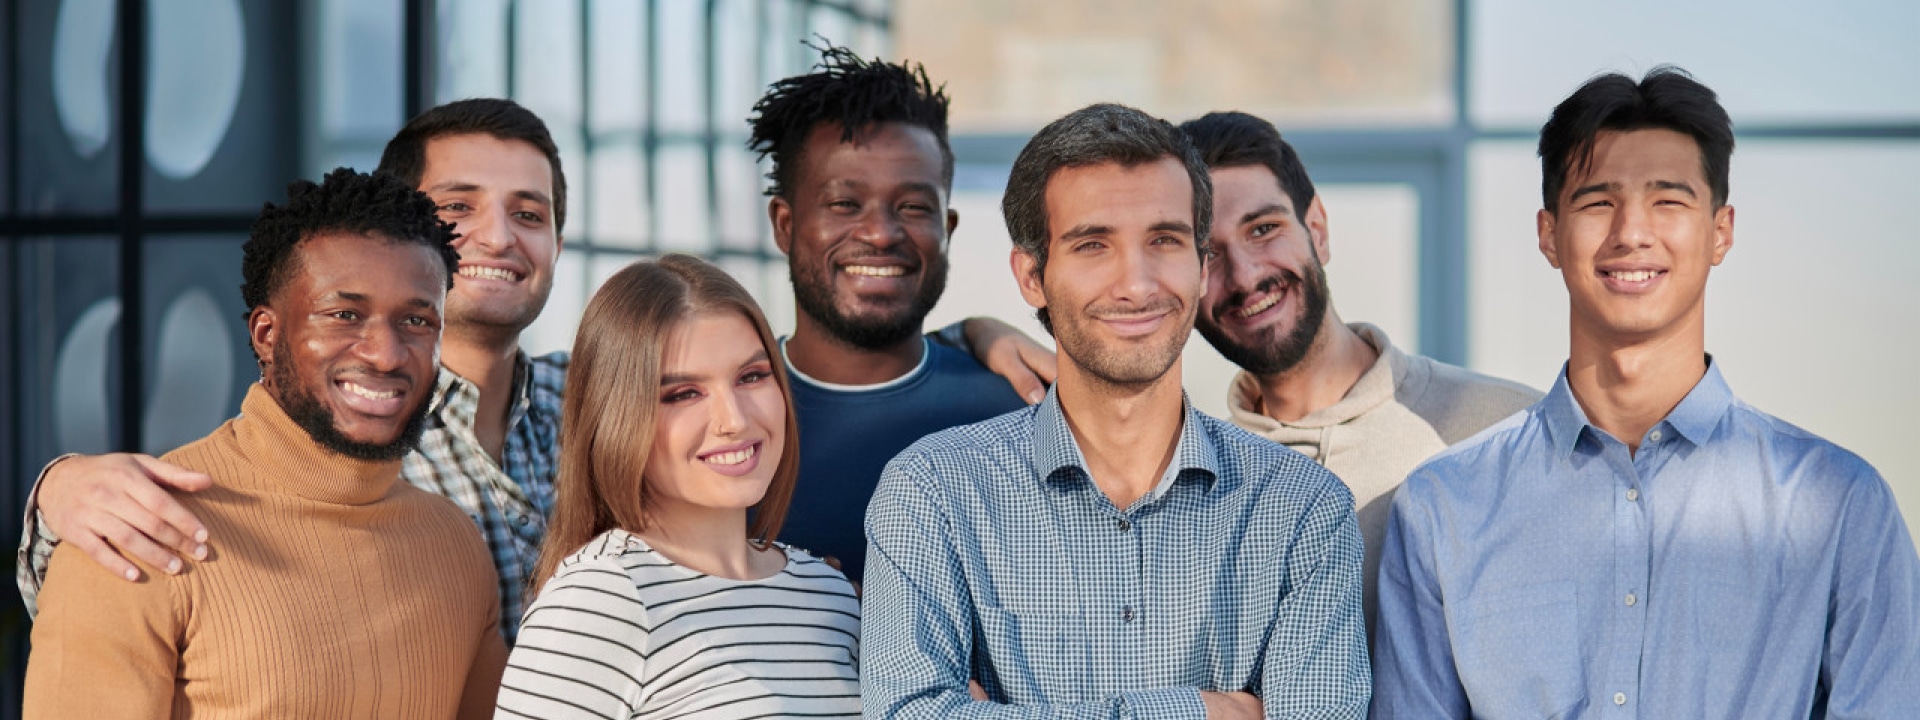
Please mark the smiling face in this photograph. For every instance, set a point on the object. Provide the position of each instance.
(353, 339)
(1122, 278)
(865, 232)
(1635, 237)
(498, 194)
(720, 429)
(1265, 279)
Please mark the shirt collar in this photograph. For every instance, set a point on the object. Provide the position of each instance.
(1055, 450)
(1694, 418)
(458, 398)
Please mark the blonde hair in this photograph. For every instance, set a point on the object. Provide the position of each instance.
(612, 397)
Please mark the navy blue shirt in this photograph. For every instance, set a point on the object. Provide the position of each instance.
(848, 433)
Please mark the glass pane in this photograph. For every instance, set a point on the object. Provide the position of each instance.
(743, 210)
(681, 46)
(1014, 67)
(197, 363)
(469, 42)
(1772, 315)
(1772, 61)
(685, 217)
(547, 60)
(68, 325)
(619, 72)
(620, 212)
(69, 108)
(1373, 235)
(7, 167)
(553, 330)
(354, 83)
(217, 133)
(736, 86)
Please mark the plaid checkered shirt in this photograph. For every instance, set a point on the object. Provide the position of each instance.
(509, 501)
(992, 556)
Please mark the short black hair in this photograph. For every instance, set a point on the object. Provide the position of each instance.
(1667, 98)
(406, 154)
(853, 92)
(1095, 134)
(1237, 139)
(345, 201)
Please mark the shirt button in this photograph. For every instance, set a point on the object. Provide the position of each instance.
(1619, 698)
(1633, 494)
(1631, 599)
(1126, 614)
(1654, 436)
(1124, 525)
(520, 520)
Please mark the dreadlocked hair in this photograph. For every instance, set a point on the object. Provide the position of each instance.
(345, 202)
(853, 92)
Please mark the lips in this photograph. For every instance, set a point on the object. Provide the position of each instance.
(1250, 305)
(490, 272)
(880, 271)
(373, 397)
(733, 460)
(1637, 279)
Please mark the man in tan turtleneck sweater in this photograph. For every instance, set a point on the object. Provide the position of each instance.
(337, 590)
(1341, 394)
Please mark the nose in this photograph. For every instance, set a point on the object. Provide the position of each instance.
(1633, 226)
(880, 228)
(1242, 274)
(1135, 279)
(381, 347)
(727, 417)
(486, 229)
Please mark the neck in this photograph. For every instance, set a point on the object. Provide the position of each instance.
(710, 541)
(1334, 362)
(1625, 388)
(821, 356)
(487, 363)
(1126, 433)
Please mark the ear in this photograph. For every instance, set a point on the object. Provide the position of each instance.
(1722, 233)
(1317, 230)
(1544, 222)
(780, 214)
(1026, 275)
(263, 330)
(953, 222)
(559, 244)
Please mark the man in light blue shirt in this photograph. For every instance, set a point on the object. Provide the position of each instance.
(1641, 543)
(1111, 553)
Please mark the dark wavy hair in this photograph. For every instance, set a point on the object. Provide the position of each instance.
(344, 201)
(1237, 139)
(853, 92)
(406, 154)
(1667, 99)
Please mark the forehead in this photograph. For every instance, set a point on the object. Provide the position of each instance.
(718, 338)
(366, 265)
(894, 152)
(1116, 195)
(1632, 157)
(486, 161)
(1247, 186)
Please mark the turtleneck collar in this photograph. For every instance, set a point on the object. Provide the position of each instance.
(285, 454)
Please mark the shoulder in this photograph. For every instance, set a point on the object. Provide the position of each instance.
(548, 378)
(998, 438)
(1798, 451)
(600, 573)
(1458, 401)
(806, 572)
(1481, 459)
(1269, 468)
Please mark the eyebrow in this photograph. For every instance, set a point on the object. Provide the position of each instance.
(677, 378)
(1679, 185)
(1269, 209)
(463, 186)
(1591, 189)
(363, 298)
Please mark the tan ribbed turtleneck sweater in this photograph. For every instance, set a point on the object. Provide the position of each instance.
(331, 590)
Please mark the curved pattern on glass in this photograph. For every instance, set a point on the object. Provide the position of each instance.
(82, 46)
(195, 62)
(80, 381)
(193, 374)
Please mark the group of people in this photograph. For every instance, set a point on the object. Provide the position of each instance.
(687, 516)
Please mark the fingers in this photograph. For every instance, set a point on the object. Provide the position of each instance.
(979, 693)
(114, 508)
(163, 519)
(1042, 361)
(832, 562)
(172, 475)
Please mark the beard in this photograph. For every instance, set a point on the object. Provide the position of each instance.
(506, 317)
(1128, 367)
(1263, 355)
(813, 293)
(312, 416)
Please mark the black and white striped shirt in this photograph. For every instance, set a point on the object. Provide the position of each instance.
(623, 632)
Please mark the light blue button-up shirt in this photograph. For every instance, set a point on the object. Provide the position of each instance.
(992, 556)
(1735, 567)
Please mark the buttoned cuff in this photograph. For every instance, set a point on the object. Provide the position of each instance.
(1163, 704)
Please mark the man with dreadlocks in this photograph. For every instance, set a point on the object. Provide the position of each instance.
(338, 590)
(861, 177)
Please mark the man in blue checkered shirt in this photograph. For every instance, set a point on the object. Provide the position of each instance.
(1111, 553)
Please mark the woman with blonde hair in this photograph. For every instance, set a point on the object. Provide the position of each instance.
(661, 593)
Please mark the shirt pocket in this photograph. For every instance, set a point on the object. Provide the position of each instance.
(1037, 657)
(1518, 652)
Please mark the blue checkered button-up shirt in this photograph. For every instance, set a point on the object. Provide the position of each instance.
(992, 556)
(509, 500)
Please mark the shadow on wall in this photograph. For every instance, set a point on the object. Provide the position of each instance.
(193, 377)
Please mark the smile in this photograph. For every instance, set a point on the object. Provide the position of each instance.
(489, 273)
(1634, 275)
(369, 394)
(732, 457)
(1259, 307)
(875, 270)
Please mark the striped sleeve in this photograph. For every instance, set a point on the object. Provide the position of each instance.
(582, 648)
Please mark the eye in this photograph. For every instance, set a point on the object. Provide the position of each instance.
(530, 216)
(454, 207)
(843, 204)
(754, 377)
(1264, 229)
(347, 315)
(1089, 246)
(416, 321)
(1170, 240)
(917, 208)
(1597, 204)
(679, 395)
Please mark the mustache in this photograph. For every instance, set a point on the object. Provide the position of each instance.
(1107, 310)
(1271, 284)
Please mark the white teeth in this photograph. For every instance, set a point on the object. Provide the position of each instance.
(732, 458)
(1634, 275)
(489, 273)
(1259, 307)
(876, 270)
(370, 394)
